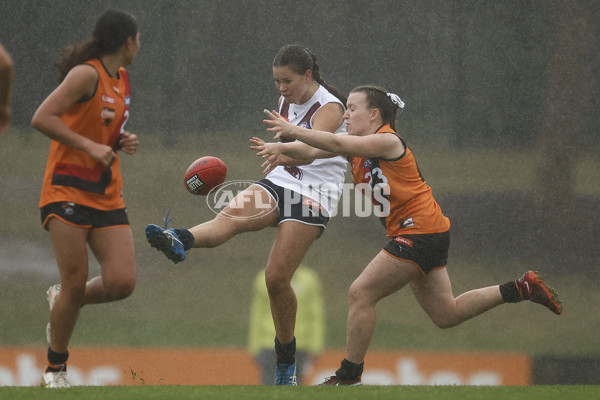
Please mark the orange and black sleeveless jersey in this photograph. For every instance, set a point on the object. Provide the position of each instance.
(398, 188)
(72, 175)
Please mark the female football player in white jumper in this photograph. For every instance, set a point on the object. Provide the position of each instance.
(301, 196)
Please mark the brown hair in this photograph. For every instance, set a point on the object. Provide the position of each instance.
(112, 29)
(300, 59)
(378, 98)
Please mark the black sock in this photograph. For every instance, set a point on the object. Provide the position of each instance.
(511, 293)
(350, 370)
(186, 238)
(286, 353)
(57, 361)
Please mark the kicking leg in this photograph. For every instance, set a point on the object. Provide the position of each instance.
(251, 210)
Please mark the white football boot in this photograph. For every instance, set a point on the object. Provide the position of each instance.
(52, 380)
(52, 293)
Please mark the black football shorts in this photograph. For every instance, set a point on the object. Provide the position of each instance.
(427, 251)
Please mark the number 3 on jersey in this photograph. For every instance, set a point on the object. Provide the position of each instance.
(375, 177)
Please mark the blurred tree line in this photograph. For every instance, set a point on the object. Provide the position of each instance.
(475, 74)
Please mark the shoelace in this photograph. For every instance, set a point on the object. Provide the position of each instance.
(57, 380)
(166, 219)
(61, 379)
(167, 232)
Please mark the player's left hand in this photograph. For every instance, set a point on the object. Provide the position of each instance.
(128, 143)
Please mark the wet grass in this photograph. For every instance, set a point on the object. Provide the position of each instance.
(316, 393)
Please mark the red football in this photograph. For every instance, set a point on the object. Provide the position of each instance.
(205, 174)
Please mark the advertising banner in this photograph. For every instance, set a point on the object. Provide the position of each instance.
(22, 366)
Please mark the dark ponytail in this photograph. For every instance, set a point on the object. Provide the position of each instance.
(300, 59)
(378, 98)
(112, 29)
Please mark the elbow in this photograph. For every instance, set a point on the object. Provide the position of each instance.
(337, 145)
(309, 159)
(337, 148)
(35, 122)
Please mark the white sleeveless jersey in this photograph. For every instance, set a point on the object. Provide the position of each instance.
(322, 179)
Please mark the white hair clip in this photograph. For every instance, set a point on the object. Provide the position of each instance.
(396, 100)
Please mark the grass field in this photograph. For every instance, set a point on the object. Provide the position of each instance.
(204, 301)
(314, 393)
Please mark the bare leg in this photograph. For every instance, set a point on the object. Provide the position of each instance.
(383, 276)
(386, 275)
(434, 294)
(72, 258)
(251, 210)
(114, 250)
(290, 247)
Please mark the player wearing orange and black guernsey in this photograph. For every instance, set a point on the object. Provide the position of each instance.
(81, 201)
(72, 175)
(384, 168)
(410, 209)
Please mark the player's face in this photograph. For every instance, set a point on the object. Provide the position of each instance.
(291, 85)
(133, 46)
(358, 116)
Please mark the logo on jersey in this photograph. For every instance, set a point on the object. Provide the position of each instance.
(407, 223)
(108, 99)
(127, 100)
(304, 125)
(368, 164)
(294, 171)
(107, 114)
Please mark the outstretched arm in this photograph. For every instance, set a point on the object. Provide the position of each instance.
(277, 153)
(386, 145)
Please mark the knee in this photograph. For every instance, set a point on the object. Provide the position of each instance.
(444, 322)
(73, 287)
(276, 282)
(121, 289)
(72, 292)
(353, 295)
(357, 295)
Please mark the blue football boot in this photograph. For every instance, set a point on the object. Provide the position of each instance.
(166, 240)
(286, 375)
